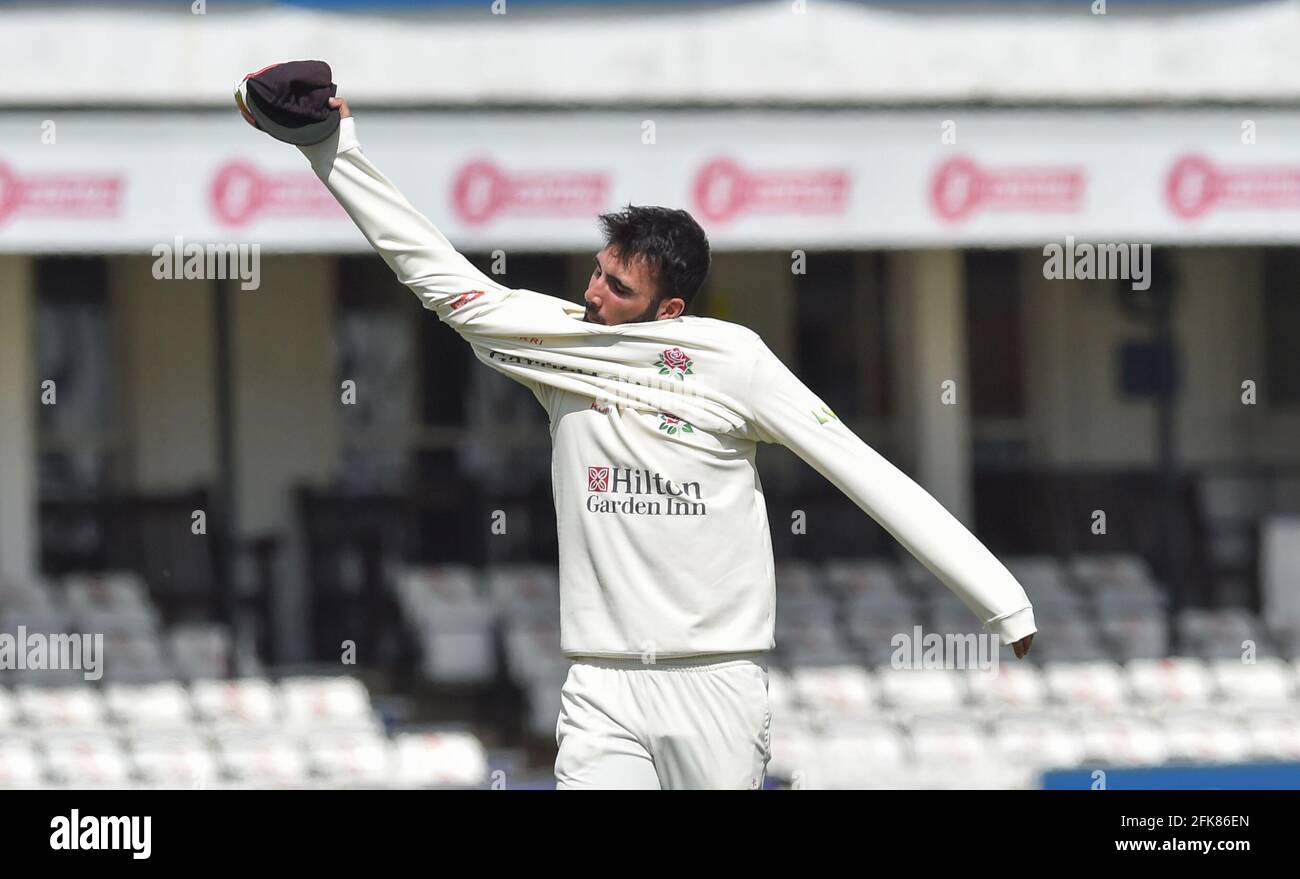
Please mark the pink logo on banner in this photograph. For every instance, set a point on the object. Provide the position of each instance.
(481, 190)
(241, 193)
(723, 190)
(1194, 186)
(75, 195)
(960, 187)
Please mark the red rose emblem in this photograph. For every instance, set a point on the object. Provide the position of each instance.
(675, 358)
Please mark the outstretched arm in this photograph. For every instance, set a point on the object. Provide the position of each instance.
(785, 411)
(420, 255)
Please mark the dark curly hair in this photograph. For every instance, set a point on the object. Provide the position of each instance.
(670, 242)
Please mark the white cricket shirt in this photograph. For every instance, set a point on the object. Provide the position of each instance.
(663, 534)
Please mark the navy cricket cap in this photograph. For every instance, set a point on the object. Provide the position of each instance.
(290, 101)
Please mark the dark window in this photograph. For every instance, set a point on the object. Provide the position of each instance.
(994, 325)
(1281, 327)
(843, 332)
(74, 351)
(376, 350)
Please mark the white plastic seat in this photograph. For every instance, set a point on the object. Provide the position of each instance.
(836, 689)
(61, 707)
(263, 759)
(324, 701)
(440, 759)
(1267, 681)
(1122, 741)
(521, 588)
(1010, 686)
(1205, 736)
(1098, 685)
(20, 762)
(1170, 681)
(947, 742)
(86, 759)
(532, 649)
(359, 758)
(921, 688)
(864, 577)
(198, 651)
(454, 621)
(178, 762)
(1040, 740)
(243, 702)
(1273, 734)
(149, 705)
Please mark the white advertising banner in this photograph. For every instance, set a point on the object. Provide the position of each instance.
(127, 181)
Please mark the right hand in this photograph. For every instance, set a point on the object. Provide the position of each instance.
(342, 105)
(1021, 647)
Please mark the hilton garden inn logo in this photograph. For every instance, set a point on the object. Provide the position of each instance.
(666, 498)
(77, 832)
(930, 650)
(209, 262)
(34, 651)
(1086, 262)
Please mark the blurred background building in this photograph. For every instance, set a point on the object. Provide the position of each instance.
(879, 182)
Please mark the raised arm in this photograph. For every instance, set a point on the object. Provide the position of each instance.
(421, 256)
(785, 411)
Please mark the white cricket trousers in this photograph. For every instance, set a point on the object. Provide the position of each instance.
(701, 722)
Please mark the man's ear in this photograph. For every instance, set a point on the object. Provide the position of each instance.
(671, 308)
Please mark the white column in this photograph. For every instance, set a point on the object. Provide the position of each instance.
(928, 300)
(1051, 391)
(286, 411)
(19, 396)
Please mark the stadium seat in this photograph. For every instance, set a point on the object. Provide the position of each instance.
(21, 766)
(1267, 681)
(846, 689)
(175, 760)
(799, 580)
(1122, 741)
(200, 650)
(1274, 734)
(1010, 686)
(63, 708)
(1038, 739)
(1143, 634)
(81, 759)
(1170, 681)
(453, 622)
(149, 706)
(522, 589)
(324, 702)
(851, 578)
(263, 758)
(440, 759)
(946, 742)
(1096, 685)
(245, 702)
(532, 649)
(1221, 633)
(1204, 736)
(1108, 570)
(350, 758)
(921, 688)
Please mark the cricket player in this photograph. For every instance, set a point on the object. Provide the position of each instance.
(667, 589)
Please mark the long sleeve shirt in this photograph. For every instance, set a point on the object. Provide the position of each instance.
(663, 533)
